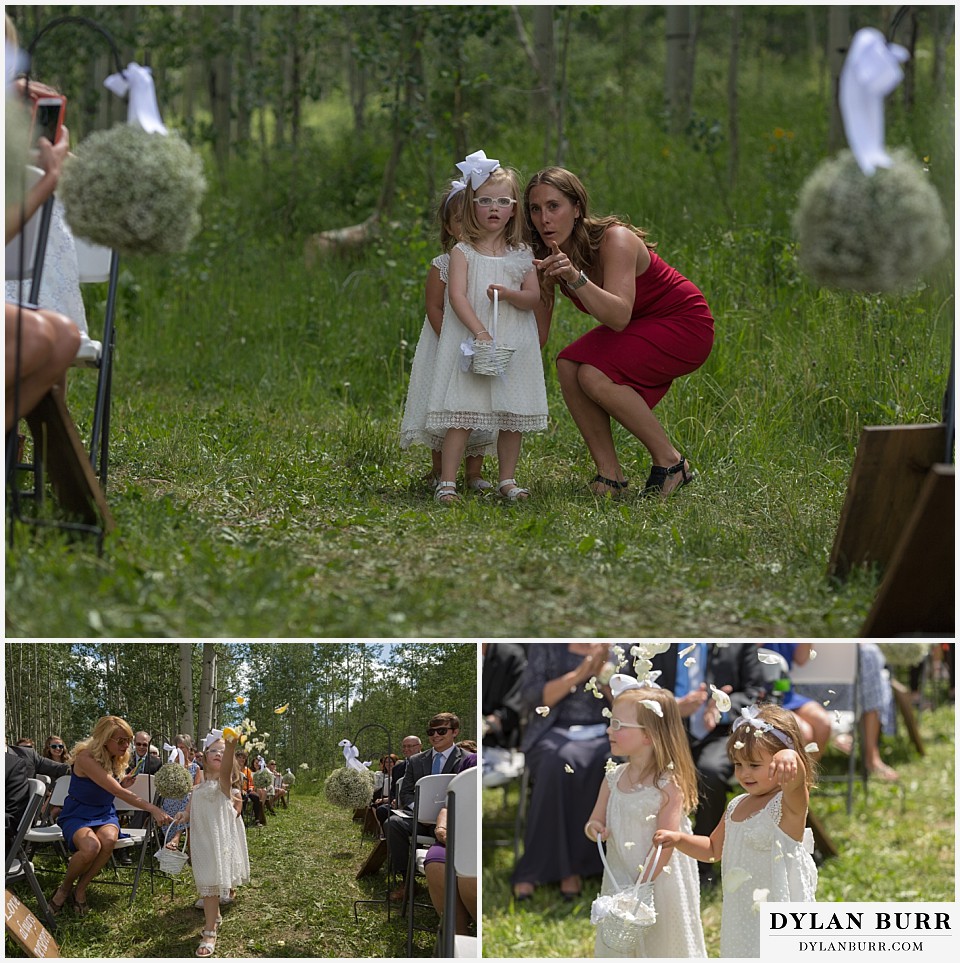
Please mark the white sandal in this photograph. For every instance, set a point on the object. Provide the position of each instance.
(446, 493)
(514, 494)
(208, 943)
(479, 485)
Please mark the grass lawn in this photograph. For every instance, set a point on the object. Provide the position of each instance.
(299, 902)
(897, 845)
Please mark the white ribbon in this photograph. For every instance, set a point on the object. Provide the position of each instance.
(870, 72)
(351, 754)
(620, 683)
(213, 736)
(142, 108)
(176, 755)
(466, 353)
(477, 167)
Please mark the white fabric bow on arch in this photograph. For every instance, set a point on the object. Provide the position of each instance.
(870, 72)
(477, 167)
(351, 755)
(621, 683)
(142, 108)
(176, 755)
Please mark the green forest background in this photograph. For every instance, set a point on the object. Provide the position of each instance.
(256, 476)
(333, 690)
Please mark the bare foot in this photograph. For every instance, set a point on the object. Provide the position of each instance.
(880, 770)
(843, 743)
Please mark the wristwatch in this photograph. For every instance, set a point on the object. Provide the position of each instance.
(579, 283)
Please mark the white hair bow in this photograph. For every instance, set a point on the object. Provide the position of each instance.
(748, 716)
(870, 72)
(477, 167)
(212, 736)
(142, 108)
(620, 683)
(176, 755)
(455, 188)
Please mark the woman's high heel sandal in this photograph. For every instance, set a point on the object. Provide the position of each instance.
(657, 480)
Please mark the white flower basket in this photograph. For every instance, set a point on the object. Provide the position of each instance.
(490, 358)
(622, 917)
(172, 861)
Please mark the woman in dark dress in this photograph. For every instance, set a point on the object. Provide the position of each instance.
(655, 326)
(564, 751)
(88, 819)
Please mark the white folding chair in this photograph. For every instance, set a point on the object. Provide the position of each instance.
(837, 664)
(429, 797)
(17, 865)
(462, 859)
(49, 833)
(142, 787)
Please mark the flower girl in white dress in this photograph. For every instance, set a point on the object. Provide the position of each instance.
(218, 839)
(655, 789)
(762, 839)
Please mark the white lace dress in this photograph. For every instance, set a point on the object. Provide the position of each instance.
(632, 818)
(413, 427)
(513, 401)
(218, 841)
(761, 864)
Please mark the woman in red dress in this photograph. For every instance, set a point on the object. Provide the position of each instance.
(654, 326)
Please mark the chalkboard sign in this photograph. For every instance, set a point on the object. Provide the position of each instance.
(27, 930)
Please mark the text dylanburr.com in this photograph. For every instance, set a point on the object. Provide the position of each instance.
(858, 931)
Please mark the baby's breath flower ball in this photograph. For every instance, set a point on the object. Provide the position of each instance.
(137, 192)
(349, 788)
(289, 779)
(876, 233)
(173, 781)
(263, 779)
(903, 653)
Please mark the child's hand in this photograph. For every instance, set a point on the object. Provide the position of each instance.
(503, 292)
(784, 767)
(595, 829)
(667, 838)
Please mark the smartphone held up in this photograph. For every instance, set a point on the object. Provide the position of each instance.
(47, 119)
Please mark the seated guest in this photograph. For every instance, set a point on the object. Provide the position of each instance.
(434, 868)
(16, 795)
(409, 746)
(250, 793)
(279, 789)
(25, 742)
(443, 757)
(142, 761)
(41, 764)
(384, 789)
(500, 698)
(812, 718)
(55, 749)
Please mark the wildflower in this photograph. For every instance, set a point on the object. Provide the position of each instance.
(778, 132)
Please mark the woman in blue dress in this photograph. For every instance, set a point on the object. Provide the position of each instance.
(88, 819)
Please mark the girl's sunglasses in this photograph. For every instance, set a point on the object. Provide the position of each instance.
(616, 725)
(57, 745)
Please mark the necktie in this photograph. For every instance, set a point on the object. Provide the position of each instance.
(696, 674)
(437, 763)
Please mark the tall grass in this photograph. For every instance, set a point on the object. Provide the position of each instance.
(256, 475)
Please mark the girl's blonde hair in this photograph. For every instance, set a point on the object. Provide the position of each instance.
(516, 231)
(747, 740)
(451, 205)
(96, 745)
(671, 750)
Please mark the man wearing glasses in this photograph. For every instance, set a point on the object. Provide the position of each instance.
(443, 756)
(142, 761)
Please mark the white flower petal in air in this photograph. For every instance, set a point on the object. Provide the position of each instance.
(606, 713)
(734, 878)
(567, 767)
(768, 658)
(651, 816)
(813, 653)
(667, 869)
(721, 698)
(832, 691)
(543, 711)
(826, 703)
(738, 744)
(670, 765)
(609, 766)
(690, 661)
(687, 650)
(629, 845)
(811, 747)
(654, 707)
(759, 897)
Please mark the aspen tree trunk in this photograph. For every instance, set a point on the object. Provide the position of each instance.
(677, 80)
(186, 688)
(733, 105)
(208, 687)
(838, 41)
